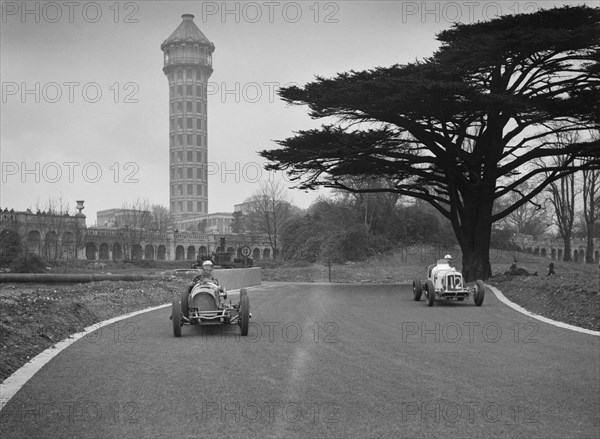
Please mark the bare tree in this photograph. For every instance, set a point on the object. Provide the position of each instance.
(268, 209)
(57, 226)
(591, 206)
(371, 205)
(133, 220)
(530, 218)
(161, 218)
(202, 225)
(11, 246)
(562, 194)
(237, 224)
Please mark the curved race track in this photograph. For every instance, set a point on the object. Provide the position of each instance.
(321, 360)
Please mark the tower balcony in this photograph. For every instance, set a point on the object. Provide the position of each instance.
(189, 60)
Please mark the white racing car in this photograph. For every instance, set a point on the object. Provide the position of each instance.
(447, 283)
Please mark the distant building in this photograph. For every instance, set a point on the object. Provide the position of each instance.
(116, 218)
(213, 223)
(244, 207)
(51, 235)
(252, 205)
(66, 237)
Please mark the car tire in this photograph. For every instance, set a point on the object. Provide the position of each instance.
(417, 290)
(479, 292)
(176, 308)
(244, 320)
(185, 301)
(430, 293)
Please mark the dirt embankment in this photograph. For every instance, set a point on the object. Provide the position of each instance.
(34, 318)
(571, 298)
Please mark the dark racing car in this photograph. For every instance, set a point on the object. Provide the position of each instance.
(204, 302)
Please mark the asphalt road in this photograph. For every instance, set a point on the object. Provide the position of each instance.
(347, 361)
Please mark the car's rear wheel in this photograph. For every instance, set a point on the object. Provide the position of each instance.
(430, 293)
(479, 292)
(244, 314)
(185, 301)
(417, 290)
(176, 308)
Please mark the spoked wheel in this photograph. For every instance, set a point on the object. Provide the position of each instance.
(417, 290)
(479, 292)
(430, 293)
(244, 314)
(176, 308)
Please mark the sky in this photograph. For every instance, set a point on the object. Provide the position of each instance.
(84, 111)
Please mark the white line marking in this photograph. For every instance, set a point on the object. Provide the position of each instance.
(502, 298)
(11, 385)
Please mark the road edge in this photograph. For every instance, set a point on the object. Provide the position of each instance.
(502, 298)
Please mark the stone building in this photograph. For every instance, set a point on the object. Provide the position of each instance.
(58, 236)
(554, 248)
(47, 234)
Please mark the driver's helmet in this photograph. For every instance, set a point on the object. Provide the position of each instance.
(448, 258)
(207, 266)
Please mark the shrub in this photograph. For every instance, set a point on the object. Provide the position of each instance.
(28, 264)
(266, 264)
(143, 263)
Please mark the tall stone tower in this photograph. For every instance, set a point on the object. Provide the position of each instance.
(188, 65)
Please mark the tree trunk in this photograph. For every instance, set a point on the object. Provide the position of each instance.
(567, 254)
(589, 253)
(476, 256)
(474, 235)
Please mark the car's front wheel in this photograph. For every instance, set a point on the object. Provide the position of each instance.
(244, 314)
(479, 292)
(430, 293)
(417, 290)
(185, 300)
(176, 308)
